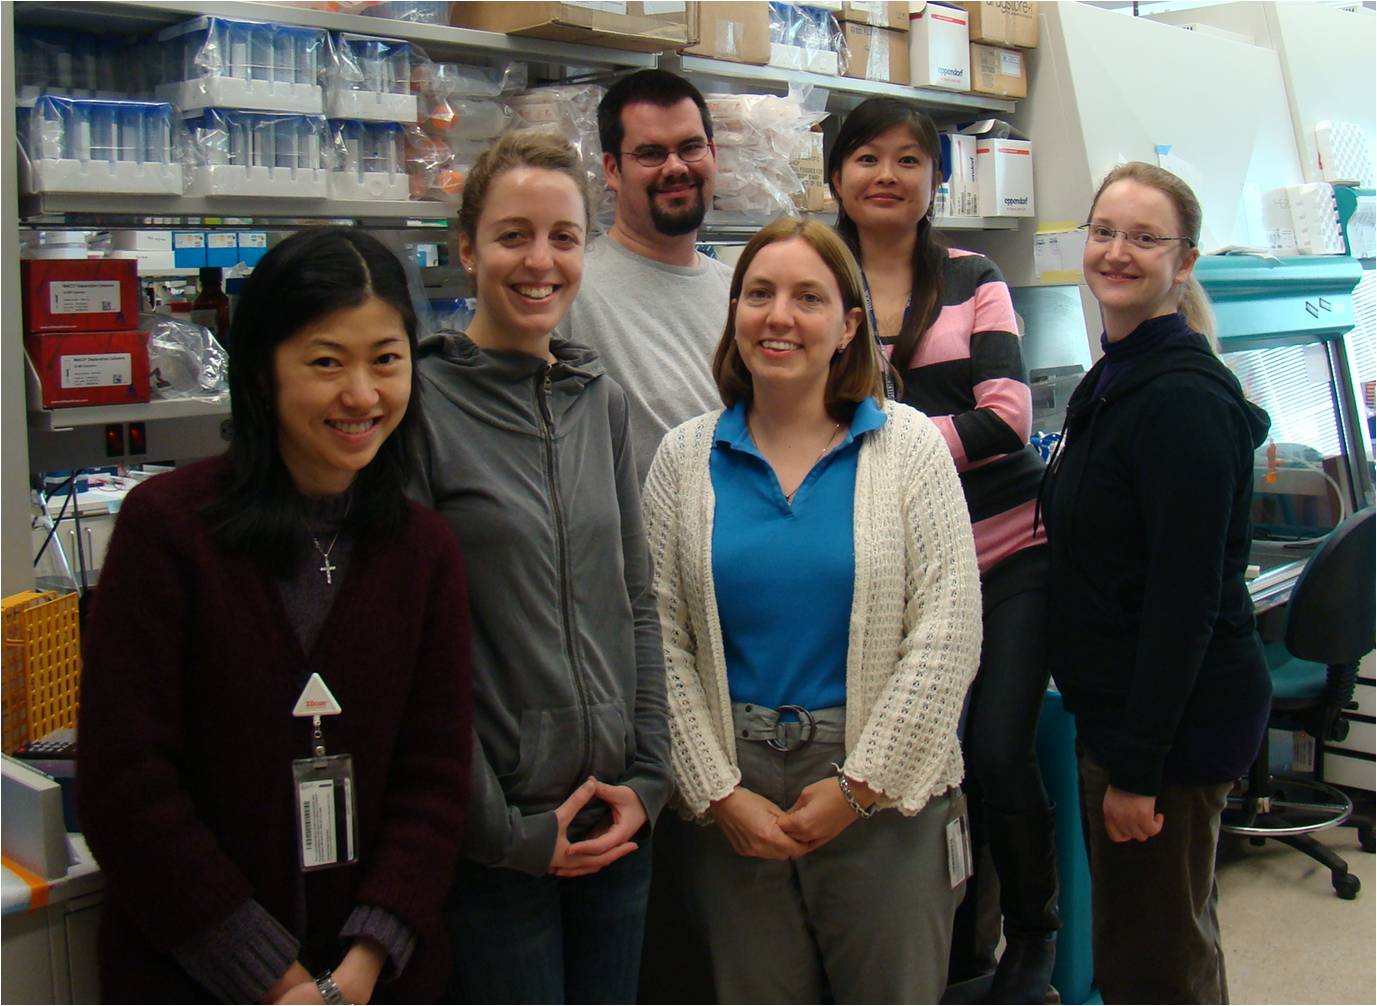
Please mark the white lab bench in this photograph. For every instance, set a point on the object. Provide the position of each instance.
(50, 900)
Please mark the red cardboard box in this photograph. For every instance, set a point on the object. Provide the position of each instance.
(90, 368)
(80, 295)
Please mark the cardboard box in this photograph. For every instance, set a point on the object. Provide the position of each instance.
(962, 185)
(1001, 72)
(159, 241)
(222, 249)
(877, 14)
(640, 27)
(79, 295)
(1004, 23)
(939, 47)
(1005, 172)
(253, 245)
(875, 53)
(90, 368)
(735, 31)
(189, 249)
(811, 169)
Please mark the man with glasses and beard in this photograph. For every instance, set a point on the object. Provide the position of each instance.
(654, 308)
(651, 304)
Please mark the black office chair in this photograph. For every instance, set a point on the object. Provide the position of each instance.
(1329, 628)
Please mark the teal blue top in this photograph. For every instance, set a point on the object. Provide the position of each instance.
(785, 575)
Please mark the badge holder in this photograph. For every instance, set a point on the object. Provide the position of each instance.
(960, 861)
(324, 788)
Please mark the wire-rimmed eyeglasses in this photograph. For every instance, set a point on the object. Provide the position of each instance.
(650, 156)
(1145, 240)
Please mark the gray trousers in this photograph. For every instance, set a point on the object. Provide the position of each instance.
(1155, 929)
(865, 918)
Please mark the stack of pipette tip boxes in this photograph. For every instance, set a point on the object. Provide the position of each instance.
(245, 108)
(367, 96)
(252, 101)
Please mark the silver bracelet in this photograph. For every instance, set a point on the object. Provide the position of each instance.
(329, 991)
(851, 800)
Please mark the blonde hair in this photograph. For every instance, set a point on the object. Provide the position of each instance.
(531, 148)
(855, 373)
(1195, 302)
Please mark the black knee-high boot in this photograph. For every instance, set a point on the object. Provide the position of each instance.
(1025, 854)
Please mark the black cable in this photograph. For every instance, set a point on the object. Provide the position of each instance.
(52, 531)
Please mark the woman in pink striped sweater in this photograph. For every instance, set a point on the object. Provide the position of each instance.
(945, 320)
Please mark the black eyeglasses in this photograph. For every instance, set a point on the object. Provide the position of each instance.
(651, 156)
(1145, 240)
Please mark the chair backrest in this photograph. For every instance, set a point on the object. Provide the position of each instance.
(1333, 610)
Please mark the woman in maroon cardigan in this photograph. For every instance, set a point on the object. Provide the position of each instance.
(229, 584)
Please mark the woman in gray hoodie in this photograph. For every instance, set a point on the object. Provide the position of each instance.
(525, 449)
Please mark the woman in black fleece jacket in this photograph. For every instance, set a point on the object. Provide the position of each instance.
(1154, 645)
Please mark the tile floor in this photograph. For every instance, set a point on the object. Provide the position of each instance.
(1287, 937)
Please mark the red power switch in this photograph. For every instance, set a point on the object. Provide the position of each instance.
(114, 441)
(138, 439)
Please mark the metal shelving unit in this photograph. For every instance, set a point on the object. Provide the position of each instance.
(439, 41)
(190, 428)
(95, 209)
(147, 412)
(723, 224)
(844, 93)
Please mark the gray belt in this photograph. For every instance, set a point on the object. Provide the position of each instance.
(761, 723)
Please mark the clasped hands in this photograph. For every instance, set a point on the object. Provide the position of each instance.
(757, 827)
(609, 843)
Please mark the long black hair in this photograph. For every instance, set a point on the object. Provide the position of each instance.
(865, 122)
(311, 274)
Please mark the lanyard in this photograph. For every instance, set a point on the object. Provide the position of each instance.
(890, 390)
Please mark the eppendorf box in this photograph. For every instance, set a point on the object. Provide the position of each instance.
(1004, 169)
(90, 368)
(939, 46)
(80, 295)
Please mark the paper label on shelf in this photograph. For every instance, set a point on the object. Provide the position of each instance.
(253, 239)
(1057, 256)
(222, 239)
(97, 370)
(652, 8)
(1010, 64)
(85, 297)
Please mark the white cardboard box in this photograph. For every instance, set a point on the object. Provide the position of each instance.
(963, 192)
(939, 46)
(1005, 172)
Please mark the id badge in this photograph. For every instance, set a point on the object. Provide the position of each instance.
(960, 862)
(325, 811)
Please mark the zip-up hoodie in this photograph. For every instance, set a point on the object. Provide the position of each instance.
(1154, 645)
(531, 463)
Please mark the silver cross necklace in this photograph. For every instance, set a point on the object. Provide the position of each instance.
(329, 568)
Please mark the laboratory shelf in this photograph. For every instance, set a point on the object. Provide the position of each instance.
(844, 93)
(145, 412)
(97, 209)
(439, 41)
(728, 224)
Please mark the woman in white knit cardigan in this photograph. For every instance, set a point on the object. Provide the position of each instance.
(820, 606)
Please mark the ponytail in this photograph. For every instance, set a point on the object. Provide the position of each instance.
(1195, 305)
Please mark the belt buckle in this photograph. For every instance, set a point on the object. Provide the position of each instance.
(808, 727)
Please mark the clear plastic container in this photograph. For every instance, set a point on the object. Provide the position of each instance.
(370, 162)
(369, 79)
(90, 145)
(415, 11)
(220, 62)
(257, 154)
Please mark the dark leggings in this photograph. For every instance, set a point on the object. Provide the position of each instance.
(1001, 725)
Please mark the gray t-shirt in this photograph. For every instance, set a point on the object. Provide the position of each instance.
(655, 327)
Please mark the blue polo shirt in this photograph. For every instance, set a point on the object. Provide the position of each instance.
(785, 575)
